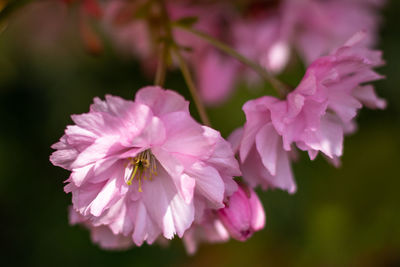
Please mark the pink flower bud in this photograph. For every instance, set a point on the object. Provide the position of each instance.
(243, 214)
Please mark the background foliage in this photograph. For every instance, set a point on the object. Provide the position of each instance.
(338, 217)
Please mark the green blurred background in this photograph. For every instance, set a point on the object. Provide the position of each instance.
(339, 217)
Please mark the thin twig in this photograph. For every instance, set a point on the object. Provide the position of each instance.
(192, 88)
(280, 87)
(184, 67)
(161, 65)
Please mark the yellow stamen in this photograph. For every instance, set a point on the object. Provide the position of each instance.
(145, 168)
(129, 182)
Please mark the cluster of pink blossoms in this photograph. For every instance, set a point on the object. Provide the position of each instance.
(145, 170)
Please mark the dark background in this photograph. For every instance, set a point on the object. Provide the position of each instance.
(339, 217)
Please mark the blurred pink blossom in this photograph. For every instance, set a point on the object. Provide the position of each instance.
(312, 27)
(264, 37)
(216, 75)
(320, 26)
(267, 35)
(131, 35)
(214, 71)
(208, 229)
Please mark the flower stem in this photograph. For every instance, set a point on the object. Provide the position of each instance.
(161, 65)
(280, 87)
(183, 66)
(192, 88)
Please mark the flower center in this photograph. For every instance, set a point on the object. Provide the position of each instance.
(143, 167)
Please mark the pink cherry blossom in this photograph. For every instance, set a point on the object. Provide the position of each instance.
(240, 218)
(139, 166)
(314, 117)
(321, 109)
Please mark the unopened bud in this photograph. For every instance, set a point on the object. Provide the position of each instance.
(243, 214)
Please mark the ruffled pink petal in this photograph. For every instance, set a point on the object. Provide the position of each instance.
(79, 137)
(115, 217)
(230, 185)
(79, 175)
(83, 196)
(185, 136)
(113, 105)
(64, 157)
(184, 183)
(141, 222)
(161, 101)
(168, 161)
(135, 119)
(344, 105)
(267, 142)
(367, 96)
(223, 156)
(235, 139)
(154, 134)
(103, 147)
(255, 173)
(329, 138)
(284, 176)
(257, 114)
(166, 207)
(187, 185)
(107, 196)
(97, 123)
(209, 184)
